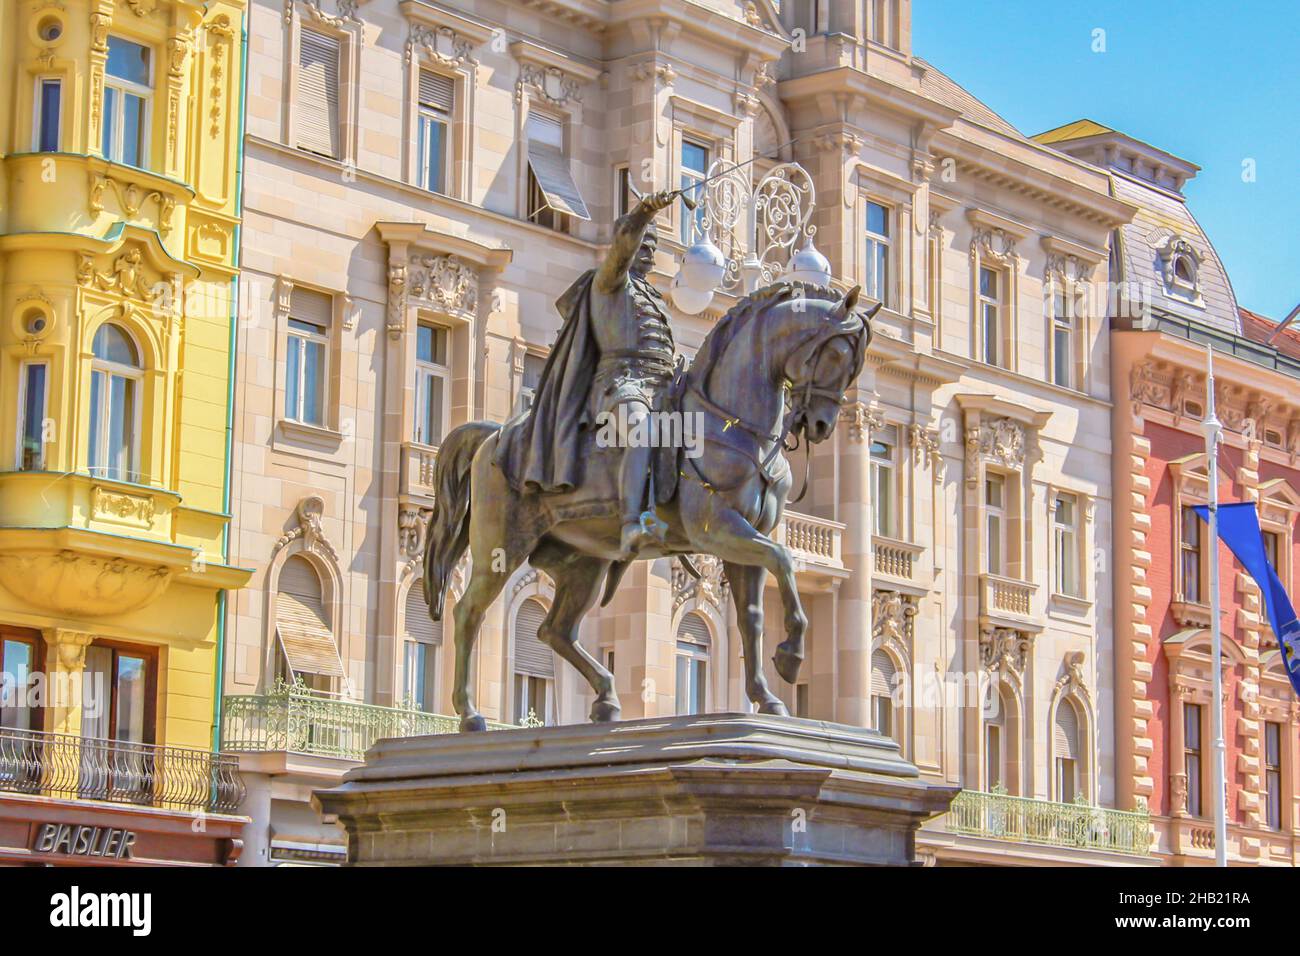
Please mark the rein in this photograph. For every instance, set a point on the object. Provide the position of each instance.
(818, 339)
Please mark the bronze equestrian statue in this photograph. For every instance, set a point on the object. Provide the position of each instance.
(541, 489)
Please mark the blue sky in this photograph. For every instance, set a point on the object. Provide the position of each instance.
(1215, 83)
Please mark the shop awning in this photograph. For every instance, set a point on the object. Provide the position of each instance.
(307, 640)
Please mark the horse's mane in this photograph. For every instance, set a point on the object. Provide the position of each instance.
(739, 315)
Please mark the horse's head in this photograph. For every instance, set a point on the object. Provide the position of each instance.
(825, 364)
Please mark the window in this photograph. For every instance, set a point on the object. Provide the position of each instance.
(127, 95)
(32, 403)
(994, 769)
(20, 662)
(534, 365)
(1185, 270)
(1062, 339)
(49, 96)
(623, 186)
(990, 316)
(1065, 531)
(1066, 741)
(436, 99)
(1192, 756)
(693, 641)
(878, 252)
(127, 677)
(114, 405)
(884, 506)
(307, 361)
(302, 622)
(883, 681)
(432, 384)
(995, 518)
(695, 166)
(1273, 775)
(317, 106)
(1272, 548)
(534, 665)
(1189, 547)
(553, 195)
(423, 638)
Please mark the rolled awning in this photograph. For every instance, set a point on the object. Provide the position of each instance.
(551, 168)
(307, 640)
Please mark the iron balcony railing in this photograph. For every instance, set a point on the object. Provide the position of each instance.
(115, 771)
(297, 721)
(1000, 816)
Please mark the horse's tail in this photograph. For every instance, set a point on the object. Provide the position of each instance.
(448, 533)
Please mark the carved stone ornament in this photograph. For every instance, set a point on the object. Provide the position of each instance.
(551, 83)
(120, 506)
(411, 524)
(445, 282)
(925, 447)
(1004, 650)
(397, 299)
(442, 45)
(1072, 682)
(893, 617)
(710, 588)
(861, 420)
(996, 244)
(1001, 440)
(309, 528)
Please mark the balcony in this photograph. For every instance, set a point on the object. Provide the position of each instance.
(1076, 826)
(418, 463)
(814, 544)
(1006, 602)
(114, 771)
(896, 559)
(299, 722)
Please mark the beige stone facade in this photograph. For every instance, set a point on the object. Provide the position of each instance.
(985, 562)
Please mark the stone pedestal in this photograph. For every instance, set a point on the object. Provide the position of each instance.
(706, 789)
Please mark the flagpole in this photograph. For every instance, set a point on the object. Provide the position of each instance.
(1212, 428)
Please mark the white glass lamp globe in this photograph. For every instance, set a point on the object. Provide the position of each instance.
(689, 301)
(809, 267)
(702, 266)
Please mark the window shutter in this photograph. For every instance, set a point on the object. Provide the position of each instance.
(317, 107)
(308, 305)
(550, 165)
(882, 674)
(437, 91)
(1067, 731)
(302, 622)
(531, 655)
(694, 630)
(419, 626)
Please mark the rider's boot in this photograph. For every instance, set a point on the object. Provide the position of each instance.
(634, 475)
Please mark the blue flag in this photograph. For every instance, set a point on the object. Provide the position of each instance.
(1239, 530)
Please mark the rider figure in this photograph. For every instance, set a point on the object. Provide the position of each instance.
(629, 321)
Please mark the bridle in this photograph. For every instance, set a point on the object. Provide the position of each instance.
(797, 398)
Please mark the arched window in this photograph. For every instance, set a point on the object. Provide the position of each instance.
(1001, 731)
(1185, 270)
(693, 642)
(302, 623)
(115, 376)
(423, 638)
(1068, 754)
(534, 665)
(882, 694)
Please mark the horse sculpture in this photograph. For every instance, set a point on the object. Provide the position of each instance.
(777, 365)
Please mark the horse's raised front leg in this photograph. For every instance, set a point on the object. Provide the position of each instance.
(735, 540)
(746, 582)
(577, 580)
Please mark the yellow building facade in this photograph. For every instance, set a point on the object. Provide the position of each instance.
(119, 236)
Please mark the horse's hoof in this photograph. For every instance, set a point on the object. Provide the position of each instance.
(787, 663)
(472, 724)
(774, 707)
(605, 711)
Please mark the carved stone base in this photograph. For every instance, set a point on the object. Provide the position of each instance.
(715, 789)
